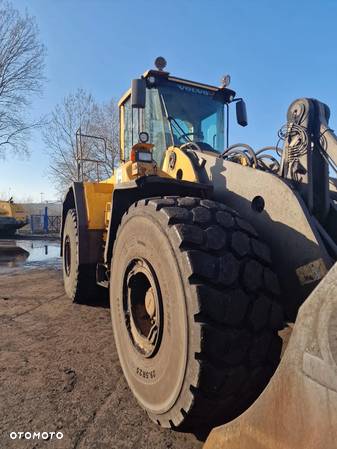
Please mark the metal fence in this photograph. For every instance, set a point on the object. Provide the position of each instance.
(45, 223)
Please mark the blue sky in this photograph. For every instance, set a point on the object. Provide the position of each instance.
(275, 51)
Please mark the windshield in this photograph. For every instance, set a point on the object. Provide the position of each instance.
(194, 115)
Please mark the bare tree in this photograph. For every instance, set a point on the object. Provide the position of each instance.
(21, 75)
(79, 111)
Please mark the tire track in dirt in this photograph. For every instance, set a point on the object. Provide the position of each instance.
(39, 305)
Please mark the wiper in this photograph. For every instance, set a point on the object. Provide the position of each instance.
(177, 127)
(167, 116)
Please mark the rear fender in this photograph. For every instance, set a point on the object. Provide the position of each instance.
(90, 247)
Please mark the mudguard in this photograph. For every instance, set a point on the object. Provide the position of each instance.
(89, 248)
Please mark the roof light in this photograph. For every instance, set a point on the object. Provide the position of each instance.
(160, 63)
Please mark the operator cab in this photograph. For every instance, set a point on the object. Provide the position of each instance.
(174, 112)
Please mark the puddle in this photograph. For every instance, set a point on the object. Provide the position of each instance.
(16, 254)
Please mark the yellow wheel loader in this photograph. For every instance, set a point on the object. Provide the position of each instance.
(207, 249)
(12, 217)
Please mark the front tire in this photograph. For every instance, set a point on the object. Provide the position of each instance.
(194, 310)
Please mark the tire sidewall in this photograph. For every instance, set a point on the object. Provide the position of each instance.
(157, 382)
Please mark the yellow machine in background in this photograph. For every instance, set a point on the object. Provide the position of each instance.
(197, 296)
(12, 217)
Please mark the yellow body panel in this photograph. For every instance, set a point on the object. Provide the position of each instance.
(183, 167)
(133, 170)
(97, 195)
(110, 180)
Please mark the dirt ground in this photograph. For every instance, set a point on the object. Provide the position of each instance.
(59, 372)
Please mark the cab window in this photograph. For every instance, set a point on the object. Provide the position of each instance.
(127, 128)
(151, 120)
(156, 125)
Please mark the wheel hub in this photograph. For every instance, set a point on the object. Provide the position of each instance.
(143, 307)
(150, 304)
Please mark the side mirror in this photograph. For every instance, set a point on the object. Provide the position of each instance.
(138, 93)
(241, 113)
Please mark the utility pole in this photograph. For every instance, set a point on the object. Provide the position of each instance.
(42, 193)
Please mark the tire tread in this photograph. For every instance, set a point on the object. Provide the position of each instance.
(238, 310)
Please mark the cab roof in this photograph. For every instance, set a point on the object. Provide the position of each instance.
(169, 78)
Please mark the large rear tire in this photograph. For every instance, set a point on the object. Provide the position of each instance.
(79, 280)
(195, 310)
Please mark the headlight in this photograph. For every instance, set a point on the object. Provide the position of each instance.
(151, 80)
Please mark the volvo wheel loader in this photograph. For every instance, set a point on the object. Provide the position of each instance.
(206, 249)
